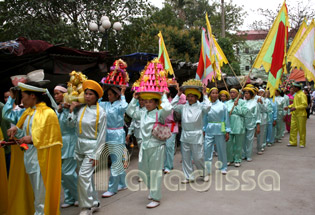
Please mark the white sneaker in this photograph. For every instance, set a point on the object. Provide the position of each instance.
(76, 203)
(66, 205)
(153, 204)
(249, 160)
(149, 197)
(206, 178)
(262, 149)
(237, 164)
(166, 171)
(259, 153)
(96, 208)
(107, 194)
(86, 211)
(302, 146)
(122, 188)
(224, 172)
(140, 179)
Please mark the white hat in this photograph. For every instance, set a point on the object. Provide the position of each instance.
(27, 87)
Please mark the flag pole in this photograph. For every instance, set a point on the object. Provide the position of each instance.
(234, 74)
(225, 84)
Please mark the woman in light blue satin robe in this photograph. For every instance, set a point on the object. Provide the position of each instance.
(134, 127)
(90, 123)
(151, 155)
(252, 122)
(217, 129)
(115, 138)
(69, 139)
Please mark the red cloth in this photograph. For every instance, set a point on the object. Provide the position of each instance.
(278, 52)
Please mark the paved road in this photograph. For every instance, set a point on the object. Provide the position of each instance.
(294, 195)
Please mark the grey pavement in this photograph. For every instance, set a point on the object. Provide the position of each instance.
(294, 195)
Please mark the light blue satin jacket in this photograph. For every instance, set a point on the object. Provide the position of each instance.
(253, 116)
(69, 135)
(115, 133)
(217, 119)
(9, 114)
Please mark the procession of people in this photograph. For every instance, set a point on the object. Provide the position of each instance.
(65, 140)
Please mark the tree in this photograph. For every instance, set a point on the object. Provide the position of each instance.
(66, 21)
(296, 16)
(179, 7)
(227, 47)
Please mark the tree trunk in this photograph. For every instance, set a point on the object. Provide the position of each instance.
(222, 19)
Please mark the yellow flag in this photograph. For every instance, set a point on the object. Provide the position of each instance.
(163, 56)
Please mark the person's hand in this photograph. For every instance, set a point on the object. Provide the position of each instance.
(66, 105)
(259, 100)
(286, 108)
(125, 164)
(11, 132)
(258, 129)
(127, 138)
(95, 162)
(204, 89)
(292, 109)
(12, 94)
(227, 137)
(179, 92)
(136, 95)
(74, 105)
(26, 140)
(123, 90)
(274, 123)
(60, 108)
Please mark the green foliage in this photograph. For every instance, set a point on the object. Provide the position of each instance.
(66, 22)
(227, 46)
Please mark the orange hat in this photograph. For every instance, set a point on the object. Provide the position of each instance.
(93, 85)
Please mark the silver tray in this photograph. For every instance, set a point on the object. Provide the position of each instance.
(191, 86)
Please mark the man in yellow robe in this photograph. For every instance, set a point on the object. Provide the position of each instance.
(41, 128)
(299, 116)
